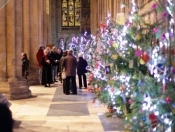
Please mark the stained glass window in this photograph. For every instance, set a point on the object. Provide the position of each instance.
(70, 13)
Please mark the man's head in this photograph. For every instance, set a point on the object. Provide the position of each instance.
(45, 52)
(54, 49)
(80, 55)
(70, 52)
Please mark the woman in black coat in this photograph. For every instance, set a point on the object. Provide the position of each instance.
(81, 70)
(47, 70)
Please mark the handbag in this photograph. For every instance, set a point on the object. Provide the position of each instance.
(63, 75)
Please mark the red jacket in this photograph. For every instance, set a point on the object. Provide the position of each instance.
(39, 56)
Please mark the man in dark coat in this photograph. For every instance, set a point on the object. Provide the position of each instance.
(25, 65)
(81, 70)
(70, 64)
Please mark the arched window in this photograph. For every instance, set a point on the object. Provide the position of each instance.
(70, 10)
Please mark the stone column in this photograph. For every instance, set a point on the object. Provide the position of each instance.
(10, 39)
(35, 35)
(40, 23)
(18, 36)
(19, 87)
(52, 22)
(3, 70)
(34, 40)
(45, 29)
(25, 28)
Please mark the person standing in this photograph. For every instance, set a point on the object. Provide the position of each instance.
(62, 71)
(81, 70)
(39, 56)
(55, 63)
(25, 65)
(47, 71)
(70, 64)
(59, 55)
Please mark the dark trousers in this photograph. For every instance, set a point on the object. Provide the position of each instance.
(64, 86)
(74, 88)
(80, 80)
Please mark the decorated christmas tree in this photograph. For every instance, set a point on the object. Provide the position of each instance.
(134, 70)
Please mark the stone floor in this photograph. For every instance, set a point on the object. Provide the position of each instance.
(51, 111)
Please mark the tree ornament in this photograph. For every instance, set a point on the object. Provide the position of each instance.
(154, 6)
(163, 36)
(111, 42)
(90, 78)
(145, 57)
(114, 56)
(138, 36)
(164, 14)
(102, 25)
(142, 62)
(141, 124)
(110, 110)
(88, 89)
(138, 53)
(112, 89)
(155, 30)
(143, 118)
(131, 63)
(97, 89)
(96, 65)
(153, 119)
(115, 45)
(130, 101)
(122, 87)
(168, 100)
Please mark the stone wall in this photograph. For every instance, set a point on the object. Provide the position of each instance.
(100, 9)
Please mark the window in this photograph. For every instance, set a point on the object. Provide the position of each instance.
(70, 10)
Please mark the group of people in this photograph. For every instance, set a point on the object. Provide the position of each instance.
(48, 61)
(62, 65)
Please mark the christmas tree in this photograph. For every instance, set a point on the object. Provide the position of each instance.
(134, 70)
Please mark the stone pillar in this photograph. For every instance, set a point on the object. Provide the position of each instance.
(21, 30)
(52, 22)
(45, 27)
(40, 23)
(3, 70)
(25, 28)
(34, 40)
(10, 38)
(18, 36)
(18, 85)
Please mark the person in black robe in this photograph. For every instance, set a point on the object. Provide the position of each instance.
(47, 70)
